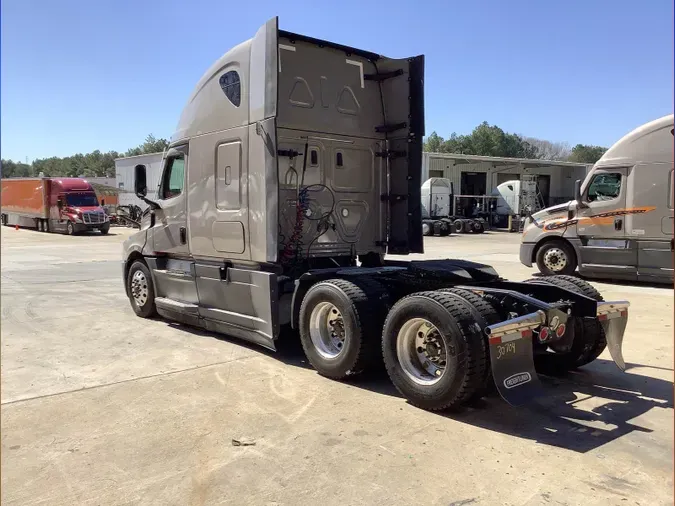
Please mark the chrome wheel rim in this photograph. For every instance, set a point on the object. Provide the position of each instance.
(139, 288)
(555, 259)
(421, 352)
(327, 330)
(425, 228)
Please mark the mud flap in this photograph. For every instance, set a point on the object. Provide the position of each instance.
(614, 316)
(512, 360)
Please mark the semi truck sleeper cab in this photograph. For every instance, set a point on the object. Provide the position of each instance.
(295, 168)
(620, 224)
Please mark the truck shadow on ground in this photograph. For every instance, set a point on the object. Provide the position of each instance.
(580, 411)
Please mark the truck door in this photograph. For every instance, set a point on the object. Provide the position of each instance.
(652, 225)
(402, 87)
(601, 224)
(169, 235)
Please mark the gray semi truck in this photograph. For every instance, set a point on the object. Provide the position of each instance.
(620, 225)
(294, 171)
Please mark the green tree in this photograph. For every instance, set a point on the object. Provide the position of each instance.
(151, 145)
(434, 143)
(484, 140)
(10, 168)
(583, 153)
(94, 164)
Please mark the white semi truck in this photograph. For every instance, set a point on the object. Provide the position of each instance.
(294, 169)
(620, 224)
(437, 210)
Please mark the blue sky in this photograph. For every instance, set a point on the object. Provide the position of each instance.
(79, 75)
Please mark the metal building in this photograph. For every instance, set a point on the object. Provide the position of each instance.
(479, 175)
(124, 177)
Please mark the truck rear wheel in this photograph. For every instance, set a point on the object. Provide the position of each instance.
(589, 336)
(340, 322)
(433, 352)
(141, 291)
(458, 225)
(484, 314)
(556, 257)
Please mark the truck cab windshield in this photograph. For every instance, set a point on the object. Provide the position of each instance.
(81, 200)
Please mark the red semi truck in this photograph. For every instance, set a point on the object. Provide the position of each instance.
(67, 205)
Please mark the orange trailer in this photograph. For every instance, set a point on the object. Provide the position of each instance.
(52, 205)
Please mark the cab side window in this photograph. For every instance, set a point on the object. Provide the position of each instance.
(173, 178)
(231, 86)
(605, 186)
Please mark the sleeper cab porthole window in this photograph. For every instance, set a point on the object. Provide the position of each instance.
(231, 86)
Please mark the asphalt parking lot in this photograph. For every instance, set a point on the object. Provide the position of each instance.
(100, 407)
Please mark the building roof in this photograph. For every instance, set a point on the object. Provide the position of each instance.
(496, 161)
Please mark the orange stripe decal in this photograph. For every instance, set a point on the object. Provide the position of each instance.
(596, 219)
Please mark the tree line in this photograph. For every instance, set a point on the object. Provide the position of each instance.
(490, 140)
(484, 140)
(94, 164)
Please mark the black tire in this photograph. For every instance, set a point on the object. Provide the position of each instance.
(589, 335)
(70, 228)
(465, 370)
(105, 229)
(458, 226)
(437, 227)
(445, 230)
(448, 224)
(478, 227)
(555, 249)
(362, 303)
(146, 309)
(484, 314)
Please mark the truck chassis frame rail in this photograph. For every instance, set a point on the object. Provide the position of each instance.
(534, 316)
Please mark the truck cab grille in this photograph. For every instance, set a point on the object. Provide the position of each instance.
(93, 218)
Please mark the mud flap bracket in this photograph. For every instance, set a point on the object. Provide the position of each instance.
(512, 359)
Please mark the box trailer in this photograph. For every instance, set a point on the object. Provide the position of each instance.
(67, 205)
(295, 168)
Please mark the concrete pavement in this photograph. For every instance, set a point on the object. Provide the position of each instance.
(102, 407)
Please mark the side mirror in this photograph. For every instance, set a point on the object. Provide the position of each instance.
(577, 193)
(102, 202)
(140, 183)
(59, 203)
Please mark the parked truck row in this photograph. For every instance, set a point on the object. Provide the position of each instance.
(294, 169)
(437, 196)
(66, 205)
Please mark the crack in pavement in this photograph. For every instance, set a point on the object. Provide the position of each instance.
(130, 380)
